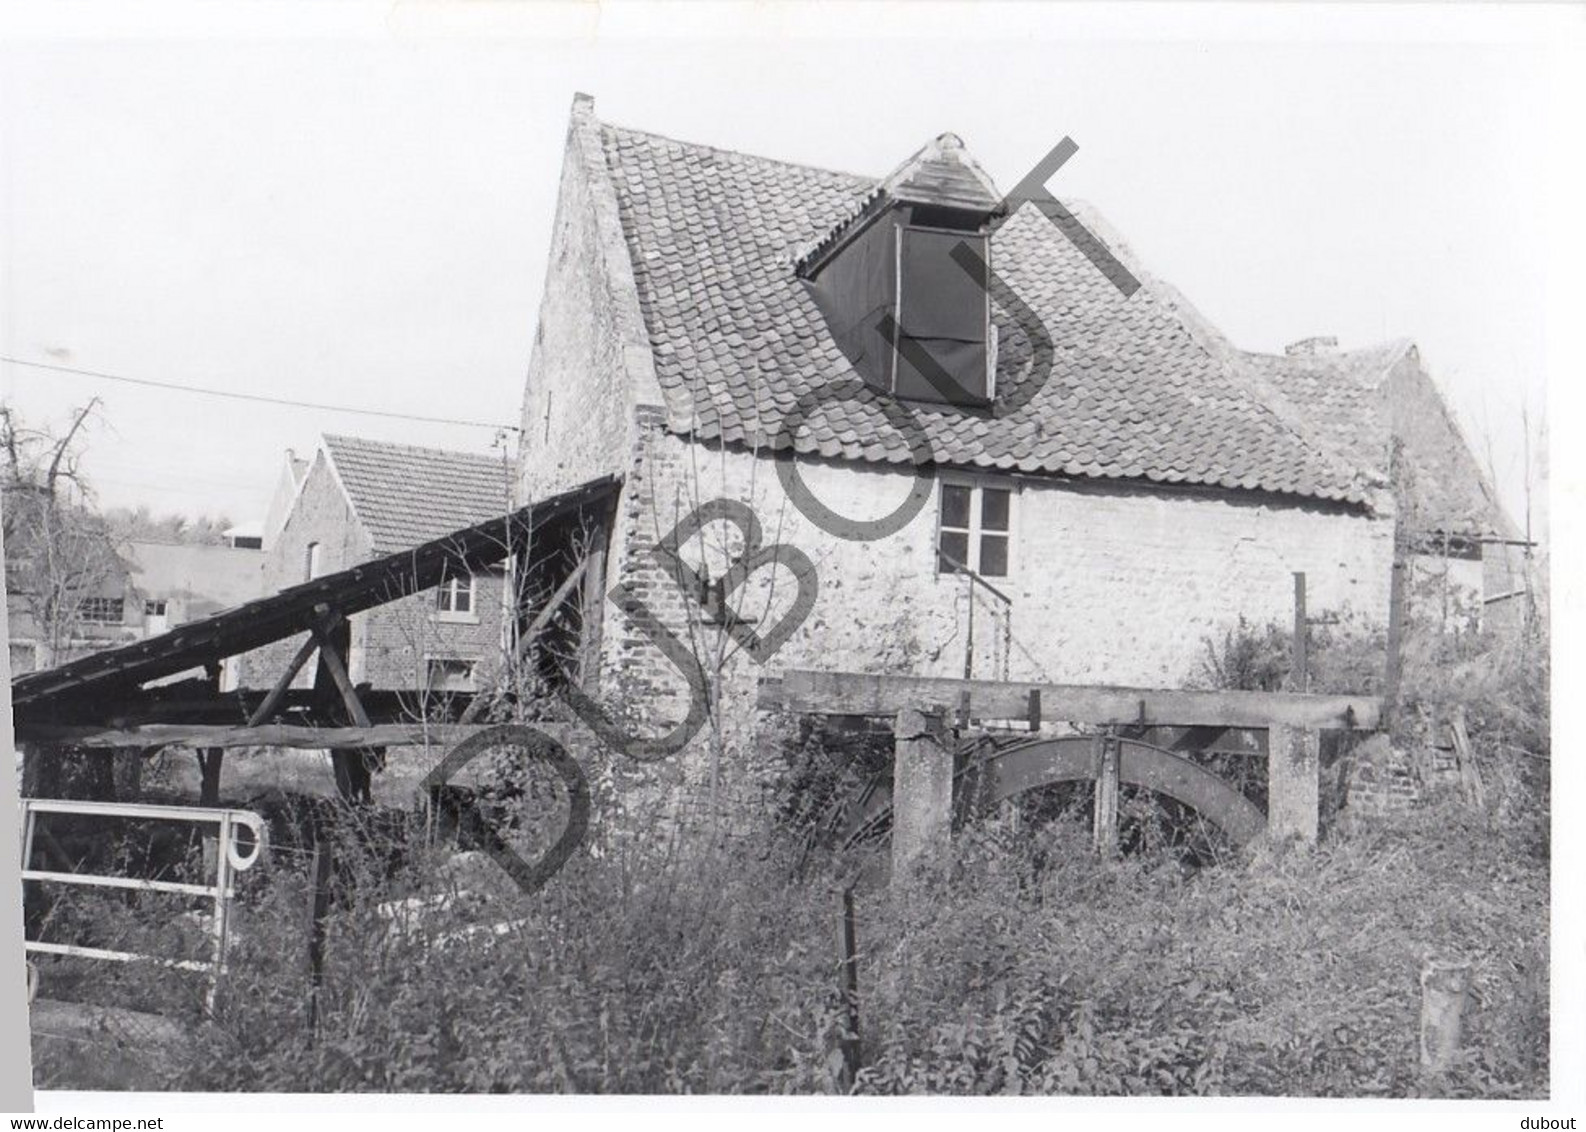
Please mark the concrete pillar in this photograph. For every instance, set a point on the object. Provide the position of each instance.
(1293, 782)
(922, 792)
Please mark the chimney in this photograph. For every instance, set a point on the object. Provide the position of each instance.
(1309, 347)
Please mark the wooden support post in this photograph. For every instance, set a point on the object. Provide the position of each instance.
(531, 633)
(1300, 674)
(922, 793)
(1294, 760)
(332, 657)
(319, 874)
(41, 770)
(1445, 986)
(351, 767)
(1469, 772)
(593, 608)
(1104, 825)
(851, 1048)
(209, 763)
(1393, 670)
(548, 610)
(126, 772)
(271, 702)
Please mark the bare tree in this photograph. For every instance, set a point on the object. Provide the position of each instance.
(59, 551)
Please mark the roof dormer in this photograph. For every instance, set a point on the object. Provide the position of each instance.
(891, 263)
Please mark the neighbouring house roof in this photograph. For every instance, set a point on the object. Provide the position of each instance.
(405, 495)
(737, 340)
(1363, 400)
(1341, 392)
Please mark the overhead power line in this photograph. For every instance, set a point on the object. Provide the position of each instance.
(257, 397)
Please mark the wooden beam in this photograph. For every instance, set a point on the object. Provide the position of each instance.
(543, 617)
(203, 736)
(333, 635)
(481, 701)
(853, 693)
(592, 611)
(265, 710)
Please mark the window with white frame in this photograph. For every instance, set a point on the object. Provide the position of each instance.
(974, 527)
(311, 562)
(454, 598)
(103, 610)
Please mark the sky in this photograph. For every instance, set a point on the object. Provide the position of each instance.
(356, 210)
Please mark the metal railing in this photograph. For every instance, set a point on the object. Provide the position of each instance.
(229, 861)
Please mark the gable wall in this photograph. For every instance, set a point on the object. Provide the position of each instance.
(586, 372)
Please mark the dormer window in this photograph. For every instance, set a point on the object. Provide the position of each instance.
(913, 319)
(944, 314)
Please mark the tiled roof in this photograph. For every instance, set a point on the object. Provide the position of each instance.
(406, 495)
(1356, 398)
(1340, 391)
(737, 340)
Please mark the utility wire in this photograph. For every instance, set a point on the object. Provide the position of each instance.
(259, 397)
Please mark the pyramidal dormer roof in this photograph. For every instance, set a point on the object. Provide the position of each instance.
(940, 174)
(943, 173)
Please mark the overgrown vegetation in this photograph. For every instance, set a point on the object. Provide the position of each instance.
(1030, 969)
(672, 965)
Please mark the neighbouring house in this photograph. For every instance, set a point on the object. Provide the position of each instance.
(245, 536)
(1095, 526)
(152, 588)
(1464, 550)
(294, 470)
(358, 500)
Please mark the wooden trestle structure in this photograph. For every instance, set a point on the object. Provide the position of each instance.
(124, 698)
(1138, 736)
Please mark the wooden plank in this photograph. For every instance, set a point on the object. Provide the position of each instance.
(273, 735)
(853, 693)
